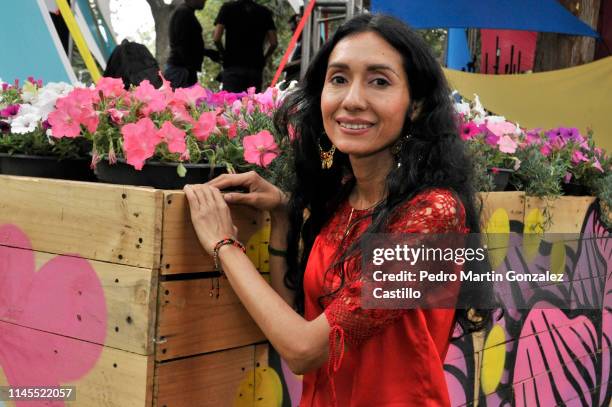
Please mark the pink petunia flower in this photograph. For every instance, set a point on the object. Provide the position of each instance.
(139, 141)
(232, 131)
(507, 145)
(190, 96)
(117, 115)
(260, 148)
(111, 87)
(174, 138)
(502, 128)
(205, 125)
(63, 120)
(153, 99)
(567, 178)
(545, 149)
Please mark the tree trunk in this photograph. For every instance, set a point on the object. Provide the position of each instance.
(557, 51)
(161, 15)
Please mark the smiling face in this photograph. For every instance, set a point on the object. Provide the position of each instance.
(365, 96)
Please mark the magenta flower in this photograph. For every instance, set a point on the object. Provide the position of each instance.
(111, 87)
(9, 111)
(260, 148)
(597, 165)
(545, 149)
(139, 141)
(567, 178)
(468, 130)
(205, 126)
(491, 139)
(174, 138)
(578, 157)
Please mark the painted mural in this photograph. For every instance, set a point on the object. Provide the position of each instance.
(535, 354)
(64, 296)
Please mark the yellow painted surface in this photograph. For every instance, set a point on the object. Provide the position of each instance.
(493, 359)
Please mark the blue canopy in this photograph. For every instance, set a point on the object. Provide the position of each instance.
(527, 15)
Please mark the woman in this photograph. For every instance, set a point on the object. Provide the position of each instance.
(377, 151)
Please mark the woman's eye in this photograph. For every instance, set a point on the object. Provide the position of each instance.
(381, 82)
(337, 80)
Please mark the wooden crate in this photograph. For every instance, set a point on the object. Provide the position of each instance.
(106, 288)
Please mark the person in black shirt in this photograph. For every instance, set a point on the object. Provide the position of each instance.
(187, 49)
(247, 25)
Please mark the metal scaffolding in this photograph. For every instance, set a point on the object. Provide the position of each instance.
(316, 30)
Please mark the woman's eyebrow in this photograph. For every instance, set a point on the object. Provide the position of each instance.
(372, 67)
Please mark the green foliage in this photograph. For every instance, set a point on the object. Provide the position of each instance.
(37, 143)
(539, 175)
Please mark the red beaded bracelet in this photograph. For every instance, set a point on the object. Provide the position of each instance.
(221, 243)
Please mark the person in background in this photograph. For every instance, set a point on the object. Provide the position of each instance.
(247, 26)
(187, 49)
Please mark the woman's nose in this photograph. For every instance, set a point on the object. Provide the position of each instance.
(355, 97)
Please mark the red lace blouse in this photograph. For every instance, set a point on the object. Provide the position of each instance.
(379, 357)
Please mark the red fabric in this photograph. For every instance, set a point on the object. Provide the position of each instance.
(378, 357)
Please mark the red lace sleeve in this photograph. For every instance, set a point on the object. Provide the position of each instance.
(432, 211)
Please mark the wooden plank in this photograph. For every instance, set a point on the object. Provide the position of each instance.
(513, 203)
(567, 213)
(191, 321)
(181, 250)
(112, 223)
(102, 376)
(109, 304)
(214, 379)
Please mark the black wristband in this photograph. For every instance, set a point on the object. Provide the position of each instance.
(275, 252)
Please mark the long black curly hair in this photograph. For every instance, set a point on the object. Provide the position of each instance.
(434, 155)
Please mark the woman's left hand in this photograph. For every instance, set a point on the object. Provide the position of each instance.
(210, 215)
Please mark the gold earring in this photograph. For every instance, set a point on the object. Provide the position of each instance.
(327, 157)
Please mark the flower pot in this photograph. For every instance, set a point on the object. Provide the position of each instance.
(574, 189)
(156, 174)
(46, 167)
(501, 176)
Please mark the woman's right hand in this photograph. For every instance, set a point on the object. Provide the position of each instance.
(262, 194)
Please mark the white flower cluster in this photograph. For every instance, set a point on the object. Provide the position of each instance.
(39, 102)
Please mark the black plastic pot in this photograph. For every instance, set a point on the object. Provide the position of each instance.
(574, 189)
(501, 176)
(46, 167)
(156, 174)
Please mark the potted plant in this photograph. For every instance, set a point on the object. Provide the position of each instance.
(26, 145)
(492, 142)
(166, 138)
(543, 163)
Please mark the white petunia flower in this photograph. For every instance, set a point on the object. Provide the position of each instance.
(26, 120)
